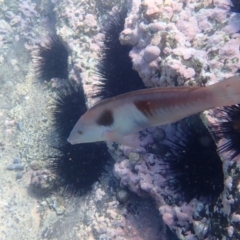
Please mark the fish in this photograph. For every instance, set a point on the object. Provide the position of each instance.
(120, 119)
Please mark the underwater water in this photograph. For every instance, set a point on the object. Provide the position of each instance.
(57, 59)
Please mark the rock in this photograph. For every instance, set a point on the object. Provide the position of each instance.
(34, 165)
(16, 166)
(151, 53)
(19, 175)
(122, 196)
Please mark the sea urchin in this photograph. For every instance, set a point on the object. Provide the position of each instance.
(77, 167)
(235, 6)
(115, 66)
(229, 128)
(51, 59)
(193, 164)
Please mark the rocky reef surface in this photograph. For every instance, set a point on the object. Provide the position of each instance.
(174, 43)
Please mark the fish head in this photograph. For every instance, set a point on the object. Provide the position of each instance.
(93, 126)
(85, 132)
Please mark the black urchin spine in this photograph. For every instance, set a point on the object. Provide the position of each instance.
(229, 128)
(115, 66)
(235, 6)
(51, 60)
(193, 164)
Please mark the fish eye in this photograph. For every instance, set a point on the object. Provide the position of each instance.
(80, 132)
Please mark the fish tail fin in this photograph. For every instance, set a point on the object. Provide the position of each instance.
(226, 92)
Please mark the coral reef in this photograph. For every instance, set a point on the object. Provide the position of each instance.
(178, 33)
(171, 43)
(182, 172)
(177, 44)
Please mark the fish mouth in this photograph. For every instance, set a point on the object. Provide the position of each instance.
(71, 141)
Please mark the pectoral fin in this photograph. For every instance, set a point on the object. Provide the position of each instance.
(132, 140)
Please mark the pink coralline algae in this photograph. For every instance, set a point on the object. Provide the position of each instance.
(173, 45)
(28, 9)
(188, 27)
(151, 8)
(90, 20)
(230, 49)
(151, 53)
(234, 25)
(175, 30)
